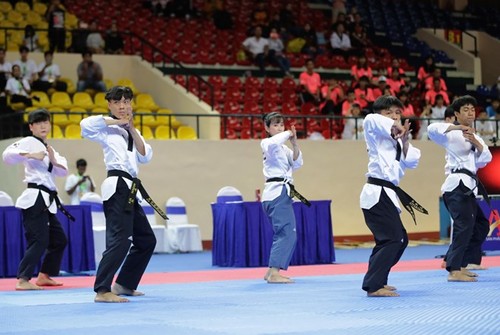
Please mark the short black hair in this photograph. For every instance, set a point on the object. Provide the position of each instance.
(119, 92)
(386, 102)
(48, 53)
(86, 52)
(81, 162)
(268, 118)
(38, 115)
(449, 112)
(23, 48)
(462, 101)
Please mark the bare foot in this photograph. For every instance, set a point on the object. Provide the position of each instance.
(459, 276)
(443, 265)
(272, 271)
(475, 267)
(383, 292)
(44, 280)
(122, 290)
(279, 279)
(109, 297)
(390, 288)
(468, 273)
(25, 285)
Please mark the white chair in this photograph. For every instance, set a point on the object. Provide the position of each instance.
(181, 235)
(158, 229)
(5, 199)
(229, 194)
(94, 200)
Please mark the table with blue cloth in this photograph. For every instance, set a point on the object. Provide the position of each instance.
(243, 234)
(78, 255)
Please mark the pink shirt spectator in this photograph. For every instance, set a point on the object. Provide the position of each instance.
(395, 85)
(430, 97)
(311, 81)
(408, 111)
(364, 97)
(429, 83)
(346, 105)
(358, 73)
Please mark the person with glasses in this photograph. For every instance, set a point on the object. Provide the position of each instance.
(124, 149)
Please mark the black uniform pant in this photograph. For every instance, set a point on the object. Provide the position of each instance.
(470, 228)
(391, 239)
(43, 232)
(122, 230)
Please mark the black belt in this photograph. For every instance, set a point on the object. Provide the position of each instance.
(480, 187)
(52, 196)
(293, 191)
(136, 186)
(408, 202)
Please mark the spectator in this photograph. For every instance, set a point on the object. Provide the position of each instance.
(426, 70)
(79, 38)
(55, 16)
(275, 53)
(257, 48)
(493, 109)
(436, 74)
(395, 82)
(408, 111)
(310, 48)
(350, 99)
(431, 96)
(332, 94)
(260, 16)
(364, 93)
(310, 82)
(114, 41)
(361, 69)
(395, 67)
(379, 90)
(485, 127)
(95, 42)
(287, 17)
(495, 89)
(90, 74)
(18, 88)
(353, 126)
(31, 39)
(77, 184)
(5, 70)
(28, 66)
(359, 38)
(340, 42)
(338, 6)
(49, 75)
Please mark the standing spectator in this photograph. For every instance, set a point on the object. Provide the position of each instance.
(275, 54)
(95, 42)
(257, 48)
(5, 70)
(114, 40)
(28, 67)
(18, 88)
(90, 74)
(310, 82)
(77, 184)
(49, 75)
(31, 39)
(79, 38)
(55, 16)
(332, 94)
(340, 41)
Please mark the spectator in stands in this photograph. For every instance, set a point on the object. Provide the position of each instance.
(114, 40)
(361, 69)
(257, 48)
(364, 93)
(485, 127)
(276, 55)
(310, 82)
(260, 17)
(395, 67)
(95, 42)
(79, 38)
(28, 66)
(77, 184)
(30, 39)
(493, 109)
(407, 111)
(353, 126)
(432, 114)
(340, 42)
(90, 74)
(431, 95)
(49, 75)
(338, 6)
(18, 88)
(5, 70)
(436, 74)
(332, 94)
(359, 38)
(395, 82)
(310, 48)
(495, 89)
(381, 86)
(350, 99)
(287, 17)
(425, 70)
(55, 16)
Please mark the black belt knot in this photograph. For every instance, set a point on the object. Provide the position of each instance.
(52, 197)
(479, 185)
(408, 202)
(136, 186)
(293, 191)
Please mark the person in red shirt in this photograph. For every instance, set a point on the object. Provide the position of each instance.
(350, 99)
(395, 67)
(364, 94)
(310, 83)
(332, 94)
(361, 69)
(430, 96)
(426, 69)
(436, 74)
(395, 82)
(379, 90)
